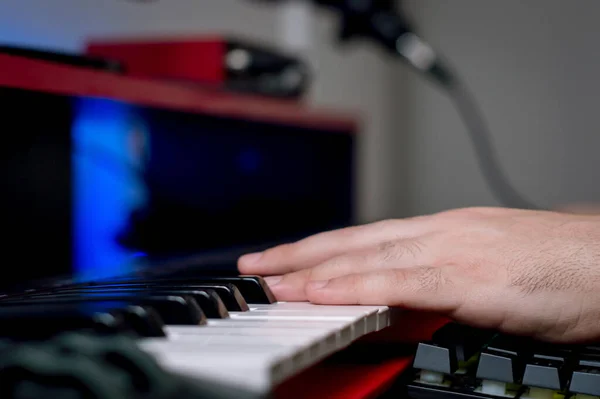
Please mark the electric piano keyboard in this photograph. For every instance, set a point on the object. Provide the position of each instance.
(228, 330)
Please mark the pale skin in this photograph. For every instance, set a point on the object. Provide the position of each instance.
(534, 273)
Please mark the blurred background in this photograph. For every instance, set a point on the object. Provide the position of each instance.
(531, 64)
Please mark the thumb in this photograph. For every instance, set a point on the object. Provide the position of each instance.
(421, 288)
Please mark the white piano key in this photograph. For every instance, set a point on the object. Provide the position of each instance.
(216, 339)
(255, 372)
(306, 306)
(345, 331)
(376, 316)
(349, 328)
(259, 348)
(286, 357)
(176, 331)
(318, 342)
(383, 318)
(284, 315)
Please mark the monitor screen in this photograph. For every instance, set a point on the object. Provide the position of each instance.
(93, 186)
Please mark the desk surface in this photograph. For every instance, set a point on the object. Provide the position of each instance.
(24, 73)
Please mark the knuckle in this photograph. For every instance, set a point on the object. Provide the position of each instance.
(390, 251)
(430, 279)
(423, 279)
(386, 252)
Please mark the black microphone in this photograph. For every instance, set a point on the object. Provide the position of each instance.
(381, 21)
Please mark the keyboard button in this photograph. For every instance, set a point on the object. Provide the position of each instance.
(548, 367)
(462, 340)
(452, 344)
(503, 360)
(432, 357)
(586, 374)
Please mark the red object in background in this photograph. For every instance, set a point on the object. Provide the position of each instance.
(199, 60)
(49, 77)
(212, 61)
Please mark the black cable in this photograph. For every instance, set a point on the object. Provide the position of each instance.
(485, 152)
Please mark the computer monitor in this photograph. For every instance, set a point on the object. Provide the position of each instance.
(94, 185)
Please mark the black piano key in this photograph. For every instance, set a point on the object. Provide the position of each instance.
(254, 289)
(42, 321)
(208, 300)
(173, 309)
(145, 321)
(229, 293)
(504, 359)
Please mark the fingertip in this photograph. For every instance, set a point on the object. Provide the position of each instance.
(249, 263)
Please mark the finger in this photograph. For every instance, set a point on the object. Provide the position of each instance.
(421, 288)
(318, 248)
(397, 254)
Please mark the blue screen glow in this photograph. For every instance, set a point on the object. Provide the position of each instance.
(107, 162)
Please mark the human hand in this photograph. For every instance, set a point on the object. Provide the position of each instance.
(522, 272)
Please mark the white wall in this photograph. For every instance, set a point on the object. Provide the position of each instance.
(534, 66)
(355, 79)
